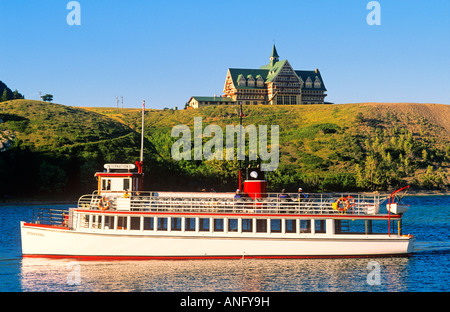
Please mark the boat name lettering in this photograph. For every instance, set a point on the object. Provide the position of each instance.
(35, 234)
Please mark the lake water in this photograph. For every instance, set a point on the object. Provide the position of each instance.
(426, 271)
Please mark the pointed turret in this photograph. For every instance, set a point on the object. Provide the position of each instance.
(274, 56)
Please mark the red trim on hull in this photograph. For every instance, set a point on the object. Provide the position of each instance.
(47, 226)
(124, 258)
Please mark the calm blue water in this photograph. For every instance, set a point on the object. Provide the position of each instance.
(427, 270)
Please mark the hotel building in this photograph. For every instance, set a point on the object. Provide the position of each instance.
(276, 83)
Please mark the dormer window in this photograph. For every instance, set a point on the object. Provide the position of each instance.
(317, 83)
(250, 81)
(308, 83)
(259, 81)
(241, 81)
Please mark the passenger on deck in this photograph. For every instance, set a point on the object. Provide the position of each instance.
(301, 195)
(126, 195)
(284, 196)
(238, 194)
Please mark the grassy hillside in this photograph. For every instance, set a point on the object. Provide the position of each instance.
(366, 146)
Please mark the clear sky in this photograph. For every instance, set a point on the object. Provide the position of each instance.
(167, 51)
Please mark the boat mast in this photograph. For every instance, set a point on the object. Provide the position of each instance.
(140, 163)
(142, 133)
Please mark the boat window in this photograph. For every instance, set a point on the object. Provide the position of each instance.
(106, 184)
(261, 225)
(135, 223)
(109, 222)
(126, 184)
(218, 225)
(189, 224)
(232, 225)
(162, 224)
(148, 223)
(175, 224)
(275, 225)
(291, 226)
(121, 223)
(247, 225)
(204, 224)
(319, 226)
(305, 226)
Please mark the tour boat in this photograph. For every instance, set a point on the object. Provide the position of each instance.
(121, 221)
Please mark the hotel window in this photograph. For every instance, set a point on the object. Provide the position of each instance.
(293, 100)
(175, 224)
(232, 225)
(218, 225)
(259, 82)
(247, 225)
(287, 100)
(275, 225)
(317, 83)
(204, 224)
(291, 226)
(250, 81)
(241, 81)
(308, 83)
(189, 224)
(305, 226)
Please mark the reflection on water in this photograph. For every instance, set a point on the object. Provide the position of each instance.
(214, 275)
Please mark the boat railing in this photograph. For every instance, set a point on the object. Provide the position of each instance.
(314, 203)
(50, 216)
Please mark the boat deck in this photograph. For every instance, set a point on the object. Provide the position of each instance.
(270, 203)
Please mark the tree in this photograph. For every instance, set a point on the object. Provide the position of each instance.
(4, 96)
(17, 95)
(47, 97)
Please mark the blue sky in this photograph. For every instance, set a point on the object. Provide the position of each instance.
(167, 51)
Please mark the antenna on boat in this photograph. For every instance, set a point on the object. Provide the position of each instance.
(141, 160)
(142, 132)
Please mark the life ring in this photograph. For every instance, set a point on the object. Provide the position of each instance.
(101, 204)
(346, 204)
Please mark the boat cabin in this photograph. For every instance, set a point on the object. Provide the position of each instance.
(118, 179)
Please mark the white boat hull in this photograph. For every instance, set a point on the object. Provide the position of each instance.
(53, 242)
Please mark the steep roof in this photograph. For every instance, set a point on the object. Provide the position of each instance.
(304, 74)
(274, 52)
(235, 72)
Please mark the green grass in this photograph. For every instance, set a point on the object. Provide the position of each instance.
(364, 146)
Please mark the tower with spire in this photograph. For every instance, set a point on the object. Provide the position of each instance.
(274, 56)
